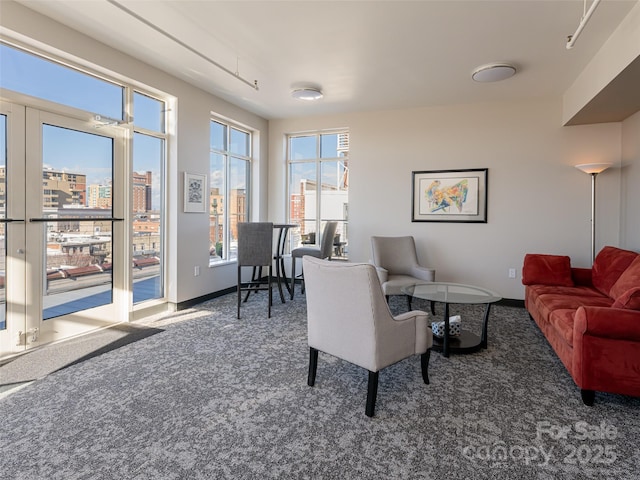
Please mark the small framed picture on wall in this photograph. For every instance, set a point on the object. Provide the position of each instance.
(195, 193)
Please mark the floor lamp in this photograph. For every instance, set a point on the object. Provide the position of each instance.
(593, 169)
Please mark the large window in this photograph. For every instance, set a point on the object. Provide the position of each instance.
(230, 161)
(147, 200)
(109, 103)
(318, 189)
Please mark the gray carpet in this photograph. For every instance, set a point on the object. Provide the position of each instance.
(48, 359)
(213, 397)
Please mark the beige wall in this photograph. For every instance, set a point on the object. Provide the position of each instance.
(629, 191)
(188, 233)
(538, 202)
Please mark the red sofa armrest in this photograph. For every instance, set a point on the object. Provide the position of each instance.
(606, 350)
(607, 322)
(582, 276)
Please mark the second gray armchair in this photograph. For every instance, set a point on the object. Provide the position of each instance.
(396, 261)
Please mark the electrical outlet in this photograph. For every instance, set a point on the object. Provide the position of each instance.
(196, 271)
(512, 273)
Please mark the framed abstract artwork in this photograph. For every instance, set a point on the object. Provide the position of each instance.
(449, 196)
(195, 192)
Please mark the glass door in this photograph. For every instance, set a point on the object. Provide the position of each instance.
(12, 229)
(67, 253)
(75, 244)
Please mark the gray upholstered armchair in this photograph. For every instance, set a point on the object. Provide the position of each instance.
(396, 261)
(348, 317)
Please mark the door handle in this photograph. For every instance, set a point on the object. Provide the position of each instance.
(76, 219)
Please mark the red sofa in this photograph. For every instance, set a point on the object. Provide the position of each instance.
(590, 316)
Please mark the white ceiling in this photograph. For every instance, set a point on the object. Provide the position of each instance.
(365, 55)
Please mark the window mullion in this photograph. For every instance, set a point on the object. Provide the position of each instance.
(226, 207)
(318, 188)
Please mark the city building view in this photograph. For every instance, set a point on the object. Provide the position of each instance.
(313, 202)
(237, 204)
(78, 242)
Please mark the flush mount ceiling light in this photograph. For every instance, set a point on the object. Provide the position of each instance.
(493, 72)
(307, 93)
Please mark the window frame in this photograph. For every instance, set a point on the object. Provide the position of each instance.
(228, 155)
(162, 233)
(126, 121)
(318, 161)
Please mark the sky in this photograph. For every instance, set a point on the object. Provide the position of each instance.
(78, 152)
(306, 148)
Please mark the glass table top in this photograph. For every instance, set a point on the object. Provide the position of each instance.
(451, 293)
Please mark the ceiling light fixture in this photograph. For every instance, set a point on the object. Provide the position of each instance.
(307, 93)
(493, 72)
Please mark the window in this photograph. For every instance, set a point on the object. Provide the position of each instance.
(147, 186)
(230, 161)
(318, 189)
(33, 75)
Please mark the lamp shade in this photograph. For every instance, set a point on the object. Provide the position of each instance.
(593, 167)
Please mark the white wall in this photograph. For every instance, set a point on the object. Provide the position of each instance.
(630, 193)
(538, 202)
(188, 240)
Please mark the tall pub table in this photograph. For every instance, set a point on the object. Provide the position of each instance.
(448, 293)
(281, 246)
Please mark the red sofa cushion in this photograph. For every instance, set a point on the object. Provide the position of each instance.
(547, 303)
(547, 270)
(629, 279)
(630, 299)
(567, 291)
(562, 321)
(555, 301)
(609, 265)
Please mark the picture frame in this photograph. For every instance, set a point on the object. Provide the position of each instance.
(195, 193)
(449, 195)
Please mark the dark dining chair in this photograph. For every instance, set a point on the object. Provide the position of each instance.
(255, 249)
(324, 251)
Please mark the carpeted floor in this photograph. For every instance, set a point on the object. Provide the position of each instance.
(213, 397)
(48, 359)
